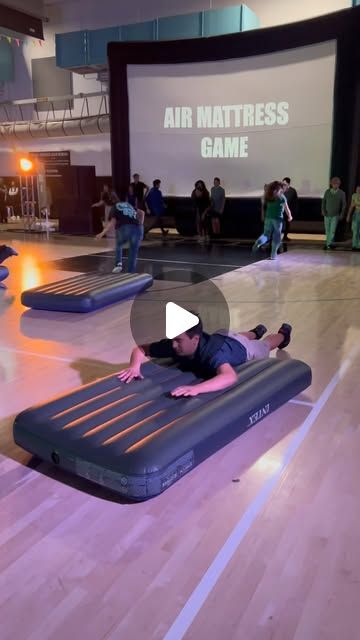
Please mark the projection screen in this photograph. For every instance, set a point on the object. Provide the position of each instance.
(247, 121)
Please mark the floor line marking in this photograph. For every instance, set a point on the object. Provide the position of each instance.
(34, 354)
(200, 264)
(302, 403)
(210, 578)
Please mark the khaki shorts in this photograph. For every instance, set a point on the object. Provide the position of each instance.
(255, 349)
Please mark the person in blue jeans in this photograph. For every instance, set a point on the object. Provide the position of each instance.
(275, 206)
(129, 228)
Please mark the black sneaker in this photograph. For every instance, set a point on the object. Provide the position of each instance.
(259, 331)
(7, 252)
(285, 330)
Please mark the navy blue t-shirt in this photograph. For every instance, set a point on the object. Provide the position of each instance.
(213, 351)
(124, 213)
(155, 201)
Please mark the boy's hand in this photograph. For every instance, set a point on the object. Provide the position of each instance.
(290, 218)
(99, 236)
(132, 373)
(187, 391)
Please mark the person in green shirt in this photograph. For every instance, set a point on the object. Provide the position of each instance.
(333, 209)
(354, 211)
(275, 205)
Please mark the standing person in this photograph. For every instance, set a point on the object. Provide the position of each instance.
(3, 196)
(201, 201)
(129, 227)
(13, 200)
(156, 206)
(333, 209)
(105, 201)
(292, 199)
(276, 206)
(140, 190)
(354, 211)
(217, 205)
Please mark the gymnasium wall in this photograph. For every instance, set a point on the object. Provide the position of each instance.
(97, 15)
(70, 15)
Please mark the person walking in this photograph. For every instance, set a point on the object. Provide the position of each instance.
(275, 206)
(105, 201)
(129, 228)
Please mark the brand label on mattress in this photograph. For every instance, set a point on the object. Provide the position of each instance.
(102, 476)
(176, 470)
(260, 413)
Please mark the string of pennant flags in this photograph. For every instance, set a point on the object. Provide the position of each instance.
(19, 41)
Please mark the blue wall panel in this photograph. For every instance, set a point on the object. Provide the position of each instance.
(177, 27)
(6, 62)
(97, 43)
(218, 22)
(249, 19)
(71, 49)
(82, 48)
(139, 31)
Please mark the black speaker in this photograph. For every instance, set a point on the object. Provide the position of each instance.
(76, 217)
(79, 182)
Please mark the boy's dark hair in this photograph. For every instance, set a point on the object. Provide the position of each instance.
(156, 182)
(136, 175)
(288, 180)
(271, 188)
(197, 330)
(218, 179)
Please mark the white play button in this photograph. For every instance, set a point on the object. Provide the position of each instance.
(178, 320)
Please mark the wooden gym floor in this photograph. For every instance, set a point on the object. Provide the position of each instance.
(259, 542)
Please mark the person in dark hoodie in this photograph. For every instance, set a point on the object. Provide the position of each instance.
(292, 199)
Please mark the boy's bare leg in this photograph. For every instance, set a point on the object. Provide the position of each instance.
(250, 335)
(274, 340)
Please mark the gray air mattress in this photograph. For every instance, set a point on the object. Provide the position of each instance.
(138, 440)
(4, 272)
(86, 292)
